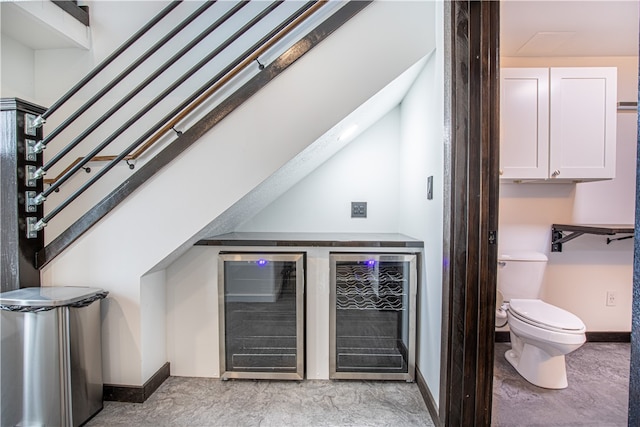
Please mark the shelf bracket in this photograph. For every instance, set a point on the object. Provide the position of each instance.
(558, 231)
(618, 238)
(558, 238)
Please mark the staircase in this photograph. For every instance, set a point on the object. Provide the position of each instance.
(213, 170)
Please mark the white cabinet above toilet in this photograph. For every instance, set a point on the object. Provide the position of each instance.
(558, 124)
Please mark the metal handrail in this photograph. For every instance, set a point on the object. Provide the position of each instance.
(164, 12)
(95, 98)
(265, 44)
(42, 170)
(192, 102)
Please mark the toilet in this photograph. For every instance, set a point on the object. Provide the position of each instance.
(541, 334)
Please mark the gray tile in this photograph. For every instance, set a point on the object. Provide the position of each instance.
(598, 392)
(211, 402)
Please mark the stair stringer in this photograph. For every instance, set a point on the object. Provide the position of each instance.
(229, 161)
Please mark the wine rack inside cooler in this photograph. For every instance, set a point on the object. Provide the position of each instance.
(372, 316)
(261, 315)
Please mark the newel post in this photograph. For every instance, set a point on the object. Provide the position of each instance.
(17, 266)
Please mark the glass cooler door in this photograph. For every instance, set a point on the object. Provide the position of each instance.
(372, 316)
(261, 315)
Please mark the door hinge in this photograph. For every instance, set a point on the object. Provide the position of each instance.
(493, 237)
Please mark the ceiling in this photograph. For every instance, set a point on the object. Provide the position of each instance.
(528, 28)
(569, 28)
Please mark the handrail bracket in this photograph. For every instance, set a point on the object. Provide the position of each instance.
(38, 122)
(32, 200)
(33, 148)
(33, 226)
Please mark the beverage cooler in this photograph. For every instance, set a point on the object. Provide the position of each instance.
(373, 316)
(261, 297)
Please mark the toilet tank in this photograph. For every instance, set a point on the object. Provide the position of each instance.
(520, 274)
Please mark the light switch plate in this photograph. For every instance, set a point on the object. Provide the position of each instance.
(358, 209)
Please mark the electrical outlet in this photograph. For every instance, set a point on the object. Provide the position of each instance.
(612, 298)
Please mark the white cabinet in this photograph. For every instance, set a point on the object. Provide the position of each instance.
(558, 124)
(524, 123)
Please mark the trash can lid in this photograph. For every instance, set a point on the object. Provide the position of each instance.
(50, 296)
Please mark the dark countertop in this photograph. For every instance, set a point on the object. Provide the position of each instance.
(381, 240)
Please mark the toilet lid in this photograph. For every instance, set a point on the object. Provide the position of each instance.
(546, 315)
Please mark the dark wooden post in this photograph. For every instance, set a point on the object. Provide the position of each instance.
(471, 212)
(17, 266)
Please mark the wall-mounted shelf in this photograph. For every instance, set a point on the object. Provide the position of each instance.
(558, 231)
(627, 106)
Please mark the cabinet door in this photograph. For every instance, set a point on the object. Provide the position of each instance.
(583, 123)
(524, 123)
(372, 321)
(261, 315)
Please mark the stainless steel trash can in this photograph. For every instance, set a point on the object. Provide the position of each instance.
(51, 361)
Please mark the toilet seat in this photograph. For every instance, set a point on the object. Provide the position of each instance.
(546, 316)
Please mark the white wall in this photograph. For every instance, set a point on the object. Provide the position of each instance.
(153, 307)
(231, 159)
(16, 70)
(366, 170)
(578, 278)
(422, 155)
(192, 305)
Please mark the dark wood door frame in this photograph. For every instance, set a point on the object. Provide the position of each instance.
(471, 211)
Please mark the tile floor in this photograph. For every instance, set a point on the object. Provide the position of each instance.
(203, 402)
(597, 395)
(598, 392)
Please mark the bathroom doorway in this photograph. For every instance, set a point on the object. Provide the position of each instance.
(547, 34)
